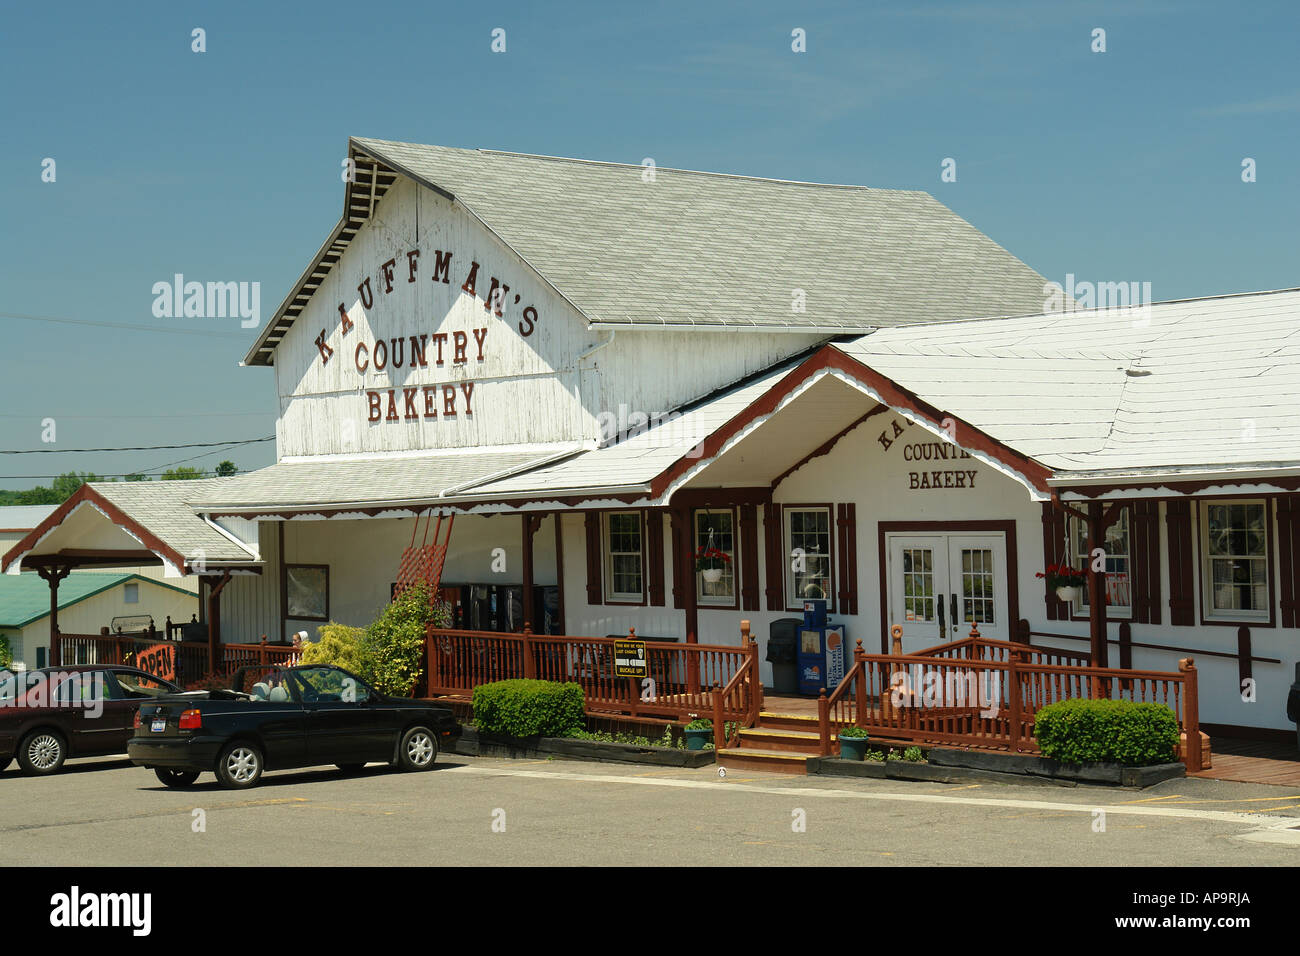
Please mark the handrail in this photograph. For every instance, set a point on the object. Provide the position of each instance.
(1199, 652)
(745, 673)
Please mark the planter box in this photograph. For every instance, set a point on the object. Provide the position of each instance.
(839, 767)
(1030, 765)
(477, 744)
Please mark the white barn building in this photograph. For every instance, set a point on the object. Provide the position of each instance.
(595, 368)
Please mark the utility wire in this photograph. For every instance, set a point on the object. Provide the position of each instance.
(66, 451)
(124, 325)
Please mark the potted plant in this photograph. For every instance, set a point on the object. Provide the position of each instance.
(711, 562)
(853, 743)
(698, 733)
(1066, 580)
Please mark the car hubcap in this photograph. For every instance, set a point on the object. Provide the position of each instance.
(419, 749)
(44, 752)
(241, 765)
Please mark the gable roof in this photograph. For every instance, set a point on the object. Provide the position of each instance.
(25, 597)
(1187, 386)
(696, 249)
(156, 514)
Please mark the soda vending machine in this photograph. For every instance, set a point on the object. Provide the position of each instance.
(822, 650)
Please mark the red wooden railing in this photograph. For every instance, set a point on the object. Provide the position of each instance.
(989, 703)
(685, 680)
(190, 658)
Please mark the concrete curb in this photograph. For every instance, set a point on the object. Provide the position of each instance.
(472, 743)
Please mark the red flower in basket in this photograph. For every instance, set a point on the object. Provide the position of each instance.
(711, 559)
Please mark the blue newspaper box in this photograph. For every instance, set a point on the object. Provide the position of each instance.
(822, 650)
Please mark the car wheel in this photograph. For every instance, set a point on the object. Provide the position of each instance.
(351, 767)
(42, 752)
(239, 766)
(176, 779)
(418, 749)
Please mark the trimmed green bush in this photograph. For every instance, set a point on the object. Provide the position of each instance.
(339, 645)
(1107, 731)
(529, 708)
(6, 654)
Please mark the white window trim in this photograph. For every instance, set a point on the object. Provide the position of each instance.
(796, 601)
(715, 600)
(622, 597)
(1208, 611)
(1079, 608)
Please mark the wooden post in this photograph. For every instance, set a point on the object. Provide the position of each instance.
(1097, 588)
(53, 574)
(895, 650)
(1191, 716)
(632, 681)
(530, 666)
(530, 525)
(860, 678)
(1013, 696)
(824, 723)
(263, 651)
(428, 661)
(750, 644)
(719, 728)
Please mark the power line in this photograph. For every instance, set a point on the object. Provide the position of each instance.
(67, 451)
(122, 325)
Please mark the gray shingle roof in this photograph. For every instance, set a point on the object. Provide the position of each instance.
(717, 250)
(163, 508)
(363, 482)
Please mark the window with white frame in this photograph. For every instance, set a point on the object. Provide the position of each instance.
(715, 530)
(131, 593)
(1119, 564)
(624, 562)
(807, 554)
(1235, 557)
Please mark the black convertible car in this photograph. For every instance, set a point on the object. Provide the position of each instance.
(277, 718)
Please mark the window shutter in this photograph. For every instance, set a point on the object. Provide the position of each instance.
(748, 558)
(1288, 553)
(654, 545)
(774, 556)
(1144, 536)
(1182, 603)
(594, 595)
(847, 540)
(675, 520)
(1054, 547)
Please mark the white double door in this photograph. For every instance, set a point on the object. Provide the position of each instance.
(939, 584)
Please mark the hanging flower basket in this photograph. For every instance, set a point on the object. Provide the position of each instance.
(711, 562)
(1065, 580)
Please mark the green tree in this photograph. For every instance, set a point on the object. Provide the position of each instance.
(184, 473)
(226, 468)
(66, 485)
(138, 477)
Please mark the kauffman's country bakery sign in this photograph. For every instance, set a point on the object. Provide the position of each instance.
(419, 350)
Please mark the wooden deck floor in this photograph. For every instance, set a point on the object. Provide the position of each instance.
(1254, 761)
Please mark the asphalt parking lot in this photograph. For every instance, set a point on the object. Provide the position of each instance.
(487, 811)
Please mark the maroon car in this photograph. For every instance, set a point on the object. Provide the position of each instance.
(51, 714)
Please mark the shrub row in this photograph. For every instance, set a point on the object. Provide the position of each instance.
(1107, 731)
(529, 708)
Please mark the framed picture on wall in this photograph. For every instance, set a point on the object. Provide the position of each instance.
(307, 592)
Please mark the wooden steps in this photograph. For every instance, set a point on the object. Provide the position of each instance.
(778, 743)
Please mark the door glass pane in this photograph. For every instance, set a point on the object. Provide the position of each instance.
(918, 584)
(977, 585)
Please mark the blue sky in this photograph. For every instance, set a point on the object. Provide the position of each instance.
(224, 165)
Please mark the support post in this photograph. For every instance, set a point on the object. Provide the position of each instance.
(530, 666)
(1191, 716)
(750, 644)
(824, 723)
(719, 728)
(686, 555)
(529, 526)
(1097, 587)
(860, 679)
(1013, 697)
(53, 574)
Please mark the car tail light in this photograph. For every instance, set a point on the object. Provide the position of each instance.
(191, 720)
(136, 722)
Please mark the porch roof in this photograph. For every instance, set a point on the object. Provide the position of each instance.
(131, 523)
(369, 484)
